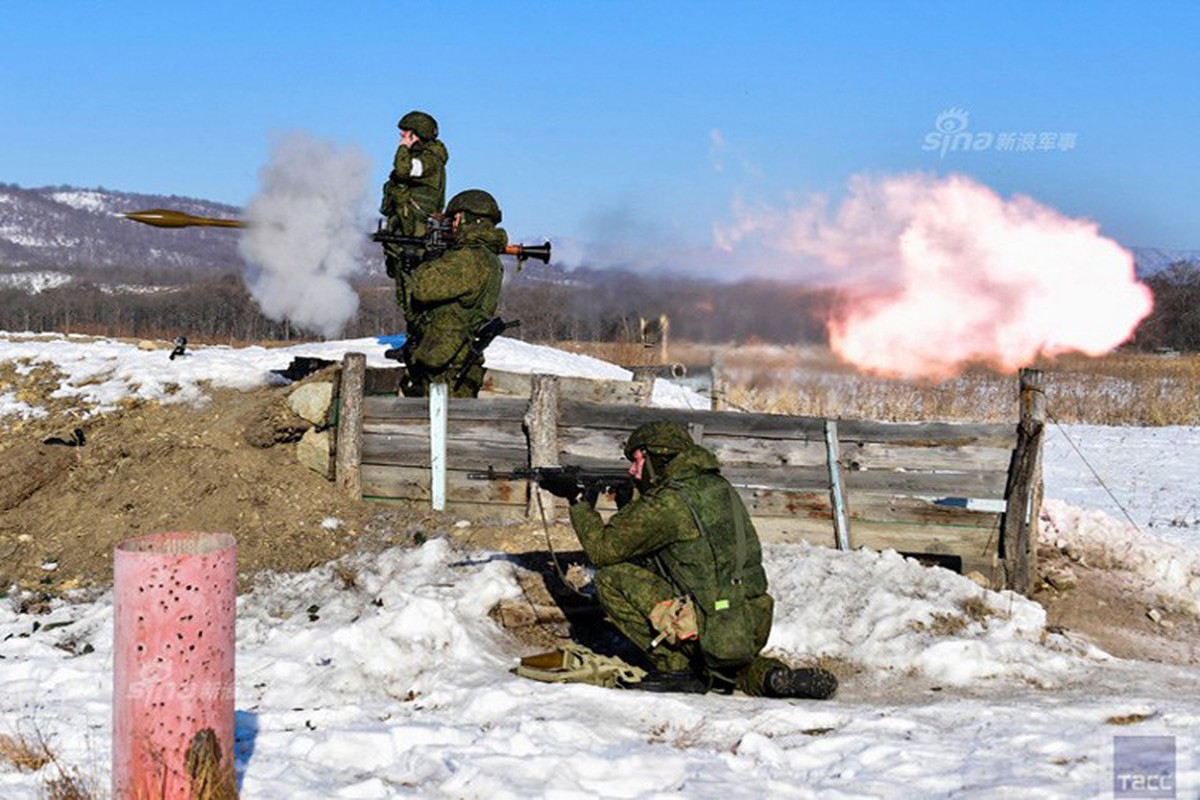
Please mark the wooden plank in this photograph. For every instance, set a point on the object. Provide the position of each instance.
(976, 551)
(874, 455)
(409, 483)
(413, 451)
(387, 409)
(780, 426)
(583, 390)
(867, 507)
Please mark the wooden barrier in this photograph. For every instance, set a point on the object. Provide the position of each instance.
(965, 495)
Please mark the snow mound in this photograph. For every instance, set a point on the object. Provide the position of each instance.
(1099, 540)
(888, 613)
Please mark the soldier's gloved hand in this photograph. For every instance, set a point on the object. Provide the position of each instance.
(564, 486)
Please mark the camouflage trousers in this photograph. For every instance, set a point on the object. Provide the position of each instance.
(418, 379)
(629, 592)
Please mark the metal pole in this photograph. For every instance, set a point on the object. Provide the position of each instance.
(841, 527)
(439, 401)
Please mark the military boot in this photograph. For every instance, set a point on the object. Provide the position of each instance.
(682, 682)
(807, 682)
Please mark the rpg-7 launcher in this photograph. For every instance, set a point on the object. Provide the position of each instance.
(439, 235)
(591, 482)
(435, 242)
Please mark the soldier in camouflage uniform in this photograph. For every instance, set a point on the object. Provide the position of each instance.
(454, 295)
(415, 190)
(679, 572)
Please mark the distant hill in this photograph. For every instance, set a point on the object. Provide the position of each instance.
(62, 227)
(1150, 260)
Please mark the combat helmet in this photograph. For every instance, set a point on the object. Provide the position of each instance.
(661, 438)
(419, 123)
(477, 202)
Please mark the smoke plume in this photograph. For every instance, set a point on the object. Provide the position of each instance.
(936, 273)
(305, 233)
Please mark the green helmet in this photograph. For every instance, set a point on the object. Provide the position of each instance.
(419, 123)
(477, 202)
(659, 438)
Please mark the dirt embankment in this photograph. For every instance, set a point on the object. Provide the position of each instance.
(228, 467)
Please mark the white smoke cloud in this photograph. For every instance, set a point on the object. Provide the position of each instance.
(305, 233)
(939, 272)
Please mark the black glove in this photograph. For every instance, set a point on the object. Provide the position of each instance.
(561, 485)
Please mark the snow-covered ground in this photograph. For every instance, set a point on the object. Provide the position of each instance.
(401, 685)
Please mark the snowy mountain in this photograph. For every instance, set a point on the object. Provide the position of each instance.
(1150, 260)
(65, 227)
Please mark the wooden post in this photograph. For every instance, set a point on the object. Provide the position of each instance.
(837, 487)
(717, 390)
(1024, 492)
(350, 424)
(439, 411)
(541, 422)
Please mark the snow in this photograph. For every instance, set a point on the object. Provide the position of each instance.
(400, 683)
(95, 202)
(34, 282)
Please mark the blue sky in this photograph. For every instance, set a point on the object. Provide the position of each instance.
(590, 118)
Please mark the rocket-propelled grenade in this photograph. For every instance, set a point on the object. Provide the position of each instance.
(167, 218)
(435, 242)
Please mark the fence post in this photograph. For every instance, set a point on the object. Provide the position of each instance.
(1024, 494)
(541, 420)
(837, 487)
(716, 393)
(350, 424)
(439, 411)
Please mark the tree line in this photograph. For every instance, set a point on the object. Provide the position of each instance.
(582, 305)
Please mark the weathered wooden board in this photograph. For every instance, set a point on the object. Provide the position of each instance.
(412, 483)
(778, 426)
(976, 552)
(385, 408)
(867, 507)
(585, 390)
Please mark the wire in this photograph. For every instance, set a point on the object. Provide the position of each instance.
(1092, 469)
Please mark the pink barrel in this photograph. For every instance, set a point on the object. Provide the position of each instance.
(174, 597)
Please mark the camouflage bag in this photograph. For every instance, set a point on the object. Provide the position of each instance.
(574, 663)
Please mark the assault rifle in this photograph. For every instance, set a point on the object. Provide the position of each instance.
(439, 235)
(591, 482)
(479, 342)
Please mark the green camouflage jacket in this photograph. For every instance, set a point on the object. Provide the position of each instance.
(454, 294)
(416, 187)
(693, 529)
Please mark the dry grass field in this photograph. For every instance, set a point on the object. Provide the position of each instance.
(1123, 388)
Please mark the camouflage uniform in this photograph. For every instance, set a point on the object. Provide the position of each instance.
(415, 190)
(452, 297)
(688, 534)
